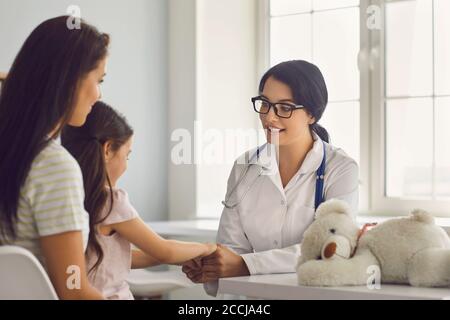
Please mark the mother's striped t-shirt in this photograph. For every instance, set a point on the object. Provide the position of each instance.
(51, 200)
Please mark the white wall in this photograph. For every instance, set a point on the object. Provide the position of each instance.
(136, 83)
(182, 100)
(226, 80)
(213, 63)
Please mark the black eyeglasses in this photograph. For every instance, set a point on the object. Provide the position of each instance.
(282, 109)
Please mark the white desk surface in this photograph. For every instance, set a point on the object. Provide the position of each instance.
(207, 228)
(186, 228)
(285, 287)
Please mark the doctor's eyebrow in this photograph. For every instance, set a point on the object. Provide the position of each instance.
(282, 100)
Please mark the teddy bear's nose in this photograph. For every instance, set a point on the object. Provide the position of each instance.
(330, 250)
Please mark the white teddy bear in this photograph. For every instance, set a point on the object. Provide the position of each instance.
(335, 252)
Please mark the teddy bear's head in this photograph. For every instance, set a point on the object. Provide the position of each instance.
(332, 235)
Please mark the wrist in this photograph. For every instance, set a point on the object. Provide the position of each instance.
(243, 269)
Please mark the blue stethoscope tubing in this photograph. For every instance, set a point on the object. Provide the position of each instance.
(320, 174)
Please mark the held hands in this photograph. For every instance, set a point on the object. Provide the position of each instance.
(210, 248)
(220, 263)
(195, 264)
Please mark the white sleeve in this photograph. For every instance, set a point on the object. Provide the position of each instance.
(265, 262)
(343, 184)
(273, 261)
(230, 233)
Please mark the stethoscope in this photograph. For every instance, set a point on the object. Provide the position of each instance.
(320, 173)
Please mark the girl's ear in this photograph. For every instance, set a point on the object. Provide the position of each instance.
(107, 152)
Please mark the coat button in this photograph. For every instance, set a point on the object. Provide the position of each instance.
(283, 203)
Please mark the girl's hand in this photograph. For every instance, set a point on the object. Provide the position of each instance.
(221, 264)
(162, 250)
(209, 249)
(193, 268)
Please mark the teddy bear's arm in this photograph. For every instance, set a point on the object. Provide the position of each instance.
(337, 272)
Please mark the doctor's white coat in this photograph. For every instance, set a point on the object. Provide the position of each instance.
(267, 225)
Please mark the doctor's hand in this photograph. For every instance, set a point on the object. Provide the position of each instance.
(193, 270)
(222, 263)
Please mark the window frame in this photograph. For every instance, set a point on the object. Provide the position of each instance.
(381, 203)
(371, 60)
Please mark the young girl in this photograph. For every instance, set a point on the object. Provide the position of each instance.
(102, 147)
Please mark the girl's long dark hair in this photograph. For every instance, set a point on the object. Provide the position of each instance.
(37, 97)
(308, 88)
(86, 145)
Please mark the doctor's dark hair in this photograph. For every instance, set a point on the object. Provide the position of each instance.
(308, 88)
(37, 97)
(86, 145)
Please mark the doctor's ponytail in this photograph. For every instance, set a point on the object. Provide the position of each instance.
(308, 89)
(320, 131)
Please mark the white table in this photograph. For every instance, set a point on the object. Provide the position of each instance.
(207, 228)
(285, 287)
(203, 228)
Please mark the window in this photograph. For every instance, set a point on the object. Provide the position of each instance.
(415, 71)
(315, 30)
(416, 96)
(225, 123)
(390, 114)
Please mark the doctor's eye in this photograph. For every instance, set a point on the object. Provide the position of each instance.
(333, 231)
(285, 108)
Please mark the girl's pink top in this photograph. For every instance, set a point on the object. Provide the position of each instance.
(110, 276)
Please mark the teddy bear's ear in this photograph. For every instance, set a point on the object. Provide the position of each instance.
(333, 206)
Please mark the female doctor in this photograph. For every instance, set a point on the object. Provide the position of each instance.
(273, 191)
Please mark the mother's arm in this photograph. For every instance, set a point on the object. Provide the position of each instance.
(60, 252)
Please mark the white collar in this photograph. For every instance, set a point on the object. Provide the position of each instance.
(267, 157)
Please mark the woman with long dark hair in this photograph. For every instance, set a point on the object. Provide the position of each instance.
(273, 191)
(54, 81)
